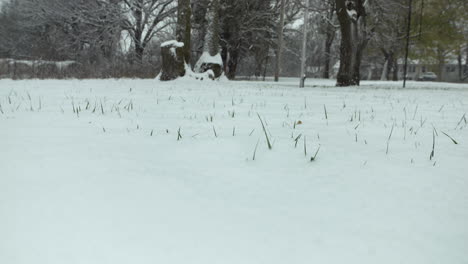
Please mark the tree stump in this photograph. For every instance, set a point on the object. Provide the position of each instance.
(173, 62)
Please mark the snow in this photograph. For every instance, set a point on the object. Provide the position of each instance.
(64, 64)
(59, 64)
(112, 184)
(194, 76)
(173, 43)
(206, 58)
(352, 13)
(190, 75)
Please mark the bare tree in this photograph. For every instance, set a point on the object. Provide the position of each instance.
(390, 34)
(59, 29)
(145, 19)
(250, 27)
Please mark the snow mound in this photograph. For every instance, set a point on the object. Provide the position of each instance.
(191, 75)
(206, 58)
(173, 43)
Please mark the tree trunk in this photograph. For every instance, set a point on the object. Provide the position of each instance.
(408, 31)
(346, 48)
(139, 52)
(465, 68)
(395, 69)
(258, 66)
(232, 61)
(356, 75)
(391, 65)
(303, 74)
(440, 63)
(265, 69)
(385, 71)
(213, 30)
(460, 65)
(330, 37)
(138, 35)
(280, 42)
(360, 39)
(184, 28)
(352, 18)
(328, 44)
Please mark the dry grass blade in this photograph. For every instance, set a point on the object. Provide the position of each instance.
(433, 145)
(453, 140)
(305, 146)
(325, 111)
(297, 140)
(179, 135)
(266, 133)
(255, 150)
(315, 155)
(389, 137)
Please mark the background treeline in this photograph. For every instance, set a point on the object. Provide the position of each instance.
(121, 38)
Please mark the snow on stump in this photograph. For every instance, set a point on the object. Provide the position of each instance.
(208, 63)
(173, 62)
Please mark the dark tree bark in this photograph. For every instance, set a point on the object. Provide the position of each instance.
(395, 70)
(330, 37)
(356, 74)
(390, 65)
(231, 58)
(184, 28)
(360, 39)
(279, 51)
(138, 33)
(328, 45)
(139, 52)
(354, 39)
(346, 45)
(460, 65)
(265, 69)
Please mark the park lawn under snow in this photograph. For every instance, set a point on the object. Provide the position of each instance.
(95, 172)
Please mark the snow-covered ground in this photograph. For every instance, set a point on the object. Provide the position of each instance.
(94, 172)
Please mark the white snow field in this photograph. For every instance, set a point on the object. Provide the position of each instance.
(92, 172)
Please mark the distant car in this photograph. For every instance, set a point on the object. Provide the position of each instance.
(428, 76)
